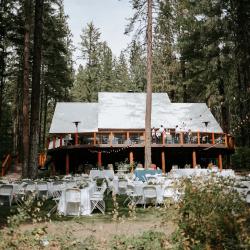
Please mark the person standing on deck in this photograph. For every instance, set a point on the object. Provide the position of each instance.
(161, 130)
(153, 132)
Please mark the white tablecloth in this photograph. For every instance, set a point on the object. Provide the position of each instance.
(101, 174)
(85, 200)
(188, 172)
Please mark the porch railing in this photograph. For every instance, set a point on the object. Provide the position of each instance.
(138, 138)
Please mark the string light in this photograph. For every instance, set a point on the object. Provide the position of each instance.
(109, 151)
(240, 124)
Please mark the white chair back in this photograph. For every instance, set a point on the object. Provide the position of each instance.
(149, 192)
(73, 195)
(58, 186)
(248, 197)
(42, 186)
(73, 201)
(6, 190)
(31, 187)
(122, 186)
(130, 189)
(168, 192)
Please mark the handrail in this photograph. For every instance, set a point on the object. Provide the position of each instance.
(6, 164)
(181, 138)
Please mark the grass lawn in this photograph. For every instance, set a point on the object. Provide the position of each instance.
(101, 229)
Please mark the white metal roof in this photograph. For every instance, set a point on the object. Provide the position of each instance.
(127, 111)
(188, 116)
(66, 113)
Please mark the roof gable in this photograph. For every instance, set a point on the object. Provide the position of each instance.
(66, 113)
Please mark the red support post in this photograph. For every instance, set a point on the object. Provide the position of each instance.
(99, 159)
(67, 163)
(220, 162)
(194, 158)
(181, 138)
(213, 140)
(163, 163)
(54, 142)
(131, 160)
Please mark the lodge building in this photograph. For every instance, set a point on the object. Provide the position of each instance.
(113, 130)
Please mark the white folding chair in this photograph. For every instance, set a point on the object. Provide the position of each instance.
(71, 184)
(110, 186)
(133, 196)
(6, 192)
(21, 193)
(248, 197)
(129, 192)
(169, 193)
(42, 189)
(149, 193)
(30, 188)
(151, 178)
(73, 201)
(56, 192)
(122, 186)
(97, 199)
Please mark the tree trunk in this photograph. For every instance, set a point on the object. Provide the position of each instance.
(149, 89)
(26, 85)
(2, 62)
(183, 74)
(224, 105)
(41, 112)
(35, 96)
(45, 119)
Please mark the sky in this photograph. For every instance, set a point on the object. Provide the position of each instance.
(110, 16)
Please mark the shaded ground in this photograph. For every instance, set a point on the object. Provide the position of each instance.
(104, 229)
(101, 229)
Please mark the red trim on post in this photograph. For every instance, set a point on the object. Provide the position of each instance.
(131, 160)
(163, 163)
(54, 142)
(194, 158)
(131, 157)
(220, 162)
(213, 141)
(181, 138)
(99, 159)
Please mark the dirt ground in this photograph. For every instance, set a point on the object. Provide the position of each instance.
(104, 230)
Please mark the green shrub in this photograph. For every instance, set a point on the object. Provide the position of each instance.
(147, 241)
(211, 216)
(241, 158)
(31, 209)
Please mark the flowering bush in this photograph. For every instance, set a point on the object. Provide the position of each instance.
(211, 215)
